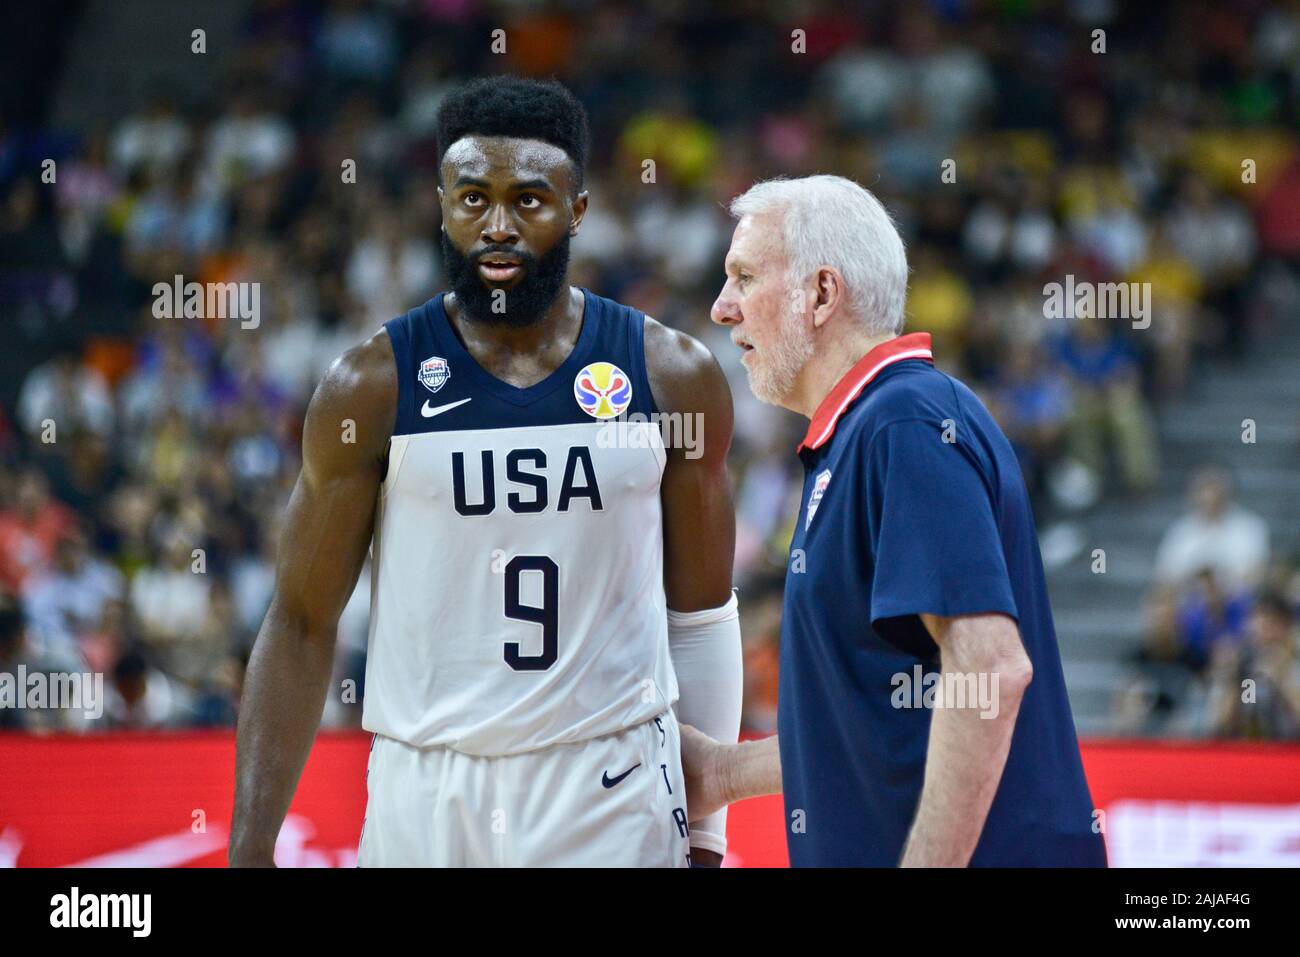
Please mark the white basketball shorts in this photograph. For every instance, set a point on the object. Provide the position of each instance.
(613, 801)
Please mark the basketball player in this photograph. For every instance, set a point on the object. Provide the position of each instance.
(537, 554)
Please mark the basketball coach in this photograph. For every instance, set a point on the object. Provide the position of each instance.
(922, 712)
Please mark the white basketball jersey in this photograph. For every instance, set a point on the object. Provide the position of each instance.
(517, 596)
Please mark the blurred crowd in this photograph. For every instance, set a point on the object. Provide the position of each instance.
(144, 461)
(1222, 655)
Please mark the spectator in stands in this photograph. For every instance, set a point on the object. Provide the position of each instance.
(171, 600)
(247, 141)
(141, 698)
(66, 604)
(86, 187)
(174, 215)
(61, 395)
(16, 649)
(155, 138)
(1177, 325)
(1216, 533)
(30, 528)
(1212, 231)
(1256, 692)
(1208, 617)
(1110, 413)
(389, 267)
(1032, 404)
(939, 301)
(85, 471)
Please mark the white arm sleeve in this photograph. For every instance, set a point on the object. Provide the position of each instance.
(705, 649)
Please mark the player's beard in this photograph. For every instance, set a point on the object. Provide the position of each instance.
(523, 304)
(772, 376)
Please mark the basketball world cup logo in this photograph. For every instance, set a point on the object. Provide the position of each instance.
(603, 390)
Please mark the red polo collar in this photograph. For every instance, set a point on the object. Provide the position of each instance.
(914, 345)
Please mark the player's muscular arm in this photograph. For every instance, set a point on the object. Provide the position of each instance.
(968, 745)
(326, 534)
(699, 530)
(699, 514)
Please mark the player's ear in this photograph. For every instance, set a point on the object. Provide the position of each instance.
(579, 211)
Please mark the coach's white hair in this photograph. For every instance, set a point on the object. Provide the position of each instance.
(832, 221)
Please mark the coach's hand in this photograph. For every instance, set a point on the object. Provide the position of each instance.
(702, 766)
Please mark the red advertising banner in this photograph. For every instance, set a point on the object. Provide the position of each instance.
(164, 800)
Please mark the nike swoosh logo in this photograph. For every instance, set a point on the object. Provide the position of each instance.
(429, 413)
(609, 782)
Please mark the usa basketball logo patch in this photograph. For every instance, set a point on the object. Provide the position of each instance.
(434, 373)
(819, 489)
(603, 390)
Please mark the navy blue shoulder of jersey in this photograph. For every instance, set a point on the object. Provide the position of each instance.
(442, 388)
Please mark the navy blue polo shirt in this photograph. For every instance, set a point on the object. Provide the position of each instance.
(913, 502)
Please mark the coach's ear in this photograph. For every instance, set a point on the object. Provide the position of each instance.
(579, 211)
(831, 294)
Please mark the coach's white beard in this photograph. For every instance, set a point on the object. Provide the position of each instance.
(771, 379)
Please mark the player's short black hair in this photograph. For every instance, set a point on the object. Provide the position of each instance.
(520, 107)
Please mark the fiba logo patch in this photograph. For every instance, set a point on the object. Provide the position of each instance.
(819, 489)
(603, 390)
(434, 373)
